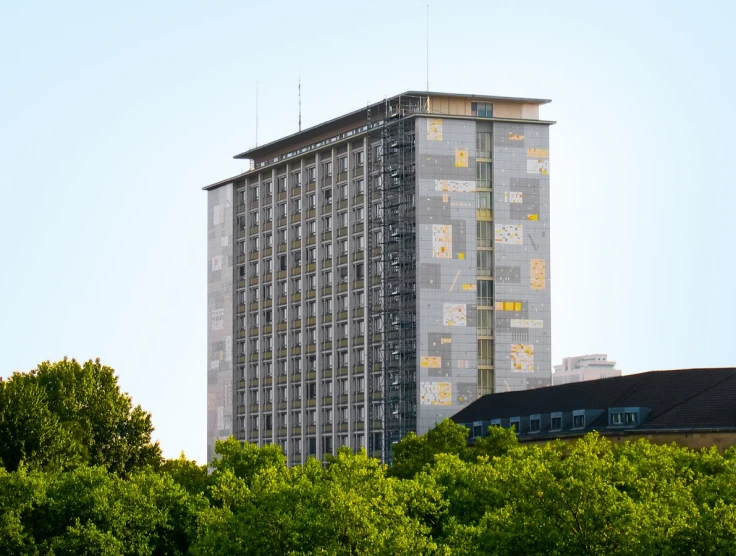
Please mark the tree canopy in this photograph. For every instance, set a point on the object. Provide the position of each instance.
(66, 413)
(441, 496)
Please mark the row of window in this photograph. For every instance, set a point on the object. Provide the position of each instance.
(295, 178)
(310, 390)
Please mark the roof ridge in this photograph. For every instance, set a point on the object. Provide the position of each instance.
(698, 393)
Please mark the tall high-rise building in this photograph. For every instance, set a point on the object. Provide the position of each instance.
(376, 273)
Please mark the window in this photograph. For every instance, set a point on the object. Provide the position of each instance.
(483, 200)
(360, 413)
(254, 193)
(297, 204)
(342, 361)
(359, 158)
(297, 391)
(327, 195)
(342, 303)
(342, 192)
(311, 201)
(282, 393)
(630, 418)
(342, 164)
(296, 179)
(296, 285)
(268, 395)
(327, 388)
(358, 187)
(342, 387)
(578, 419)
(359, 243)
(281, 236)
(268, 241)
(342, 248)
(617, 418)
(298, 441)
(283, 265)
(327, 169)
(516, 423)
(483, 170)
(359, 299)
(485, 293)
(483, 145)
(342, 220)
(327, 362)
(281, 184)
(254, 244)
(311, 255)
(297, 232)
(311, 282)
(482, 109)
(535, 423)
(327, 306)
(359, 385)
(268, 214)
(296, 312)
(343, 414)
(281, 210)
(327, 223)
(358, 331)
(254, 218)
(267, 188)
(327, 275)
(328, 416)
(311, 174)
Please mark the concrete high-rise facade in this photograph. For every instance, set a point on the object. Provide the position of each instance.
(376, 273)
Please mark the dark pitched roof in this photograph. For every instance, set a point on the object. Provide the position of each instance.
(680, 399)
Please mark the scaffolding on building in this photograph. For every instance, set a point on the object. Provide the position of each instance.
(392, 247)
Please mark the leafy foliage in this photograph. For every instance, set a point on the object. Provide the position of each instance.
(65, 491)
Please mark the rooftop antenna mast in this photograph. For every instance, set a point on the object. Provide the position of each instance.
(256, 113)
(300, 98)
(427, 47)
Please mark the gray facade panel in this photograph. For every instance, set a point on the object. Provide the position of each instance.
(446, 262)
(521, 217)
(220, 399)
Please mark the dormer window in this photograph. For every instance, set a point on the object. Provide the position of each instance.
(578, 419)
(516, 423)
(535, 423)
(555, 423)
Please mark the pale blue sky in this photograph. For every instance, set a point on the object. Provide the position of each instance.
(113, 116)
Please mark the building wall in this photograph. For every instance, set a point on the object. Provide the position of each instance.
(219, 315)
(446, 268)
(521, 214)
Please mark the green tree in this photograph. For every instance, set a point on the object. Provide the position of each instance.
(31, 434)
(108, 429)
(412, 453)
(498, 442)
(187, 473)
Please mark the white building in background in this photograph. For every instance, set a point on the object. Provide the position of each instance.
(584, 367)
